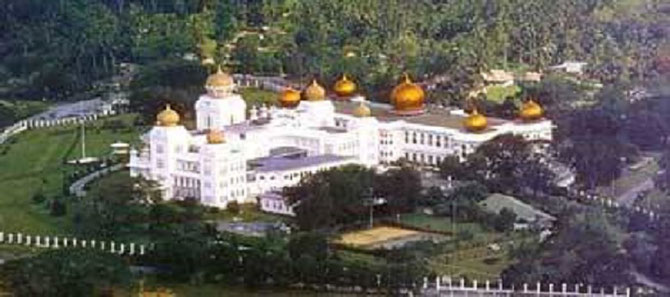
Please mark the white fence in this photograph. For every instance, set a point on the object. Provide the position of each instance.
(446, 286)
(29, 124)
(130, 249)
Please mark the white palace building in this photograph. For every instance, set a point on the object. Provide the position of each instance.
(238, 154)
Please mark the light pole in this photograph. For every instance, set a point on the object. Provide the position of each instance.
(371, 201)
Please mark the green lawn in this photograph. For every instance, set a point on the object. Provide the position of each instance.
(258, 97)
(499, 93)
(23, 109)
(468, 258)
(33, 163)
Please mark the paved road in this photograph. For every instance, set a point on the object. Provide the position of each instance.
(629, 197)
(76, 109)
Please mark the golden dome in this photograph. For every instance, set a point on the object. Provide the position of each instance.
(219, 79)
(475, 122)
(407, 97)
(289, 98)
(344, 87)
(167, 117)
(215, 136)
(531, 111)
(362, 110)
(315, 92)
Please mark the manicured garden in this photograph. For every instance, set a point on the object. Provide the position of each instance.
(32, 163)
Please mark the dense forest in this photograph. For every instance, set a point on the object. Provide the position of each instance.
(53, 49)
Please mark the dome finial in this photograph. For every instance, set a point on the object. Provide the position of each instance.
(344, 87)
(475, 122)
(408, 98)
(362, 110)
(406, 78)
(315, 92)
(167, 117)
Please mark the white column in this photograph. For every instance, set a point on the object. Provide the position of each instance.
(123, 249)
(488, 285)
(113, 248)
(2, 236)
(462, 283)
(132, 248)
(28, 240)
(525, 288)
(65, 242)
(46, 241)
(564, 288)
(83, 243)
(92, 243)
(102, 245)
(19, 238)
(56, 242)
(142, 250)
(74, 242)
(551, 288)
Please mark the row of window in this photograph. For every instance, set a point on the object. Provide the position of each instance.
(424, 159)
(426, 139)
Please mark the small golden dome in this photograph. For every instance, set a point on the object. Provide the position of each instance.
(167, 117)
(315, 92)
(215, 136)
(531, 111)
(344, 87)
(219, 79)
(362, 110)
(289, 98)
(407, 97)
(475, 122)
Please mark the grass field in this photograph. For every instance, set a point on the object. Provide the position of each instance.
(24, 109)
(499, 93)
(471, 258)
(258, 97)
(33, 163)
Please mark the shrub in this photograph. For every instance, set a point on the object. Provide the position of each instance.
(58, 208)
(39, 198)
(233, 207)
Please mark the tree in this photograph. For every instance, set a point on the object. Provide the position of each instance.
(331, 197)
(499, 162)
(80, 272)
(587, 248)
(401, 187)
(505, 220)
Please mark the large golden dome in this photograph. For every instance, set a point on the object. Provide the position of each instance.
(289, 98)
(362, 110)
(315, 92)
(344, 87)
(167, 117)
(215, 136)
(531, 111)
(407, 97)
(219, 79)
(475, 122)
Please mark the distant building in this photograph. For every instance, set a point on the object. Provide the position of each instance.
(527, 216)
(570, 67)
(276, 203)
(498, 77)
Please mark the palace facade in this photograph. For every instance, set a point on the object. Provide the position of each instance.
(237, 153)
